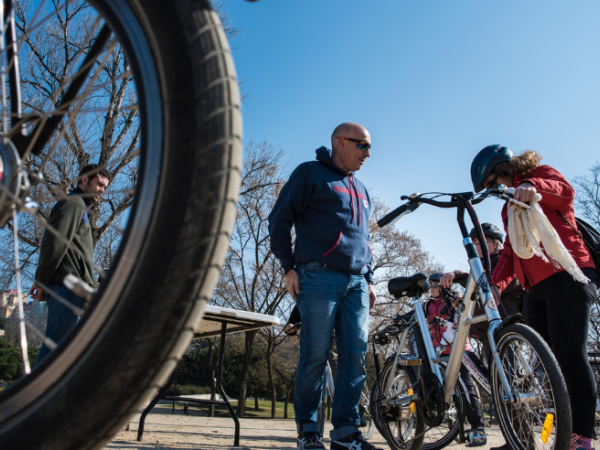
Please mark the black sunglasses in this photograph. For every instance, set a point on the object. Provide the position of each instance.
(360, 144)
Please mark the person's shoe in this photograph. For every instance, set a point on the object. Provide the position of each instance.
(309, 440)
(354, 441)
(476, 437)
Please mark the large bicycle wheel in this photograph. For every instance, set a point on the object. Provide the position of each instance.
(442, 435)
(366, 421)
(156, 104)
(534, 377)
(402, 424)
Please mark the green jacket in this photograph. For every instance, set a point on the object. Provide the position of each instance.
(57, 259)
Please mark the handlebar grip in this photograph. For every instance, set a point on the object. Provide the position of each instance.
(391, 216)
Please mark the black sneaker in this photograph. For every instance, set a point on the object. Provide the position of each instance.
(354, 441)
(309, 440)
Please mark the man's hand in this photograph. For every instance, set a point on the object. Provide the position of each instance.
(525, 192)
(290, 329)
(292, 283)
(372, 296)
(447, 280)
(37, 293)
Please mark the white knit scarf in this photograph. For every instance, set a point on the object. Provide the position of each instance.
(527, 228)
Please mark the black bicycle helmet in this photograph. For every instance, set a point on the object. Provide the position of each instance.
(489, 230)
(435, 277)
(485, 161)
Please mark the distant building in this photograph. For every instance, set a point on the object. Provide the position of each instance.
(35, 313)
(9, 302)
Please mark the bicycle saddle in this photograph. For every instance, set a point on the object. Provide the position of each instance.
(408, 286)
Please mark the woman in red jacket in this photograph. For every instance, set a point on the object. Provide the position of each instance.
(557, 306)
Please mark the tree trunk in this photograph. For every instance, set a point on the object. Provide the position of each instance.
(249, 345)
(256, 407)
(272, 387)
(288, 389)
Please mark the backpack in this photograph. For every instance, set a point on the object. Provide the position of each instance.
(590, 236)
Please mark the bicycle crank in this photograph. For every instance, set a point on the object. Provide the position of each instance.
(433, 401)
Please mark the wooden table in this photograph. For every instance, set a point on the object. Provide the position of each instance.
(217, 321)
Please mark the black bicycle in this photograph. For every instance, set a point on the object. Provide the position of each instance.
(148, 90)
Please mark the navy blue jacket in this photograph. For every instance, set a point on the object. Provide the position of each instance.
(330, 211)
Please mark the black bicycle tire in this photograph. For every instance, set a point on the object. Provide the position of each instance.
(367, 430)
(417, 442)
(150, 321)
(562, 408)
(321, 417)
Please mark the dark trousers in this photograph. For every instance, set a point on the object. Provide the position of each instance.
(559, 309)
(471, 405)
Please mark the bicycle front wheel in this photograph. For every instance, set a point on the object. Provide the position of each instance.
(540, 418)
(399, 421)
(146, 89)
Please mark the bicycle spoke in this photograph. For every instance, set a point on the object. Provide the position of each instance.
(26, 366)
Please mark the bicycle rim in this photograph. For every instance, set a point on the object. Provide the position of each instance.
(532, 374)
(401, 425)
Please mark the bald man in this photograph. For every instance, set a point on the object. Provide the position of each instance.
(328, 272)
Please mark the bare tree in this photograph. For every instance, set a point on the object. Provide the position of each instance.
(251, 278)
(588, 202)
(588, 195)
(100, 126)
(395, 253)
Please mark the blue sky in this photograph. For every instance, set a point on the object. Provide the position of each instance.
(433, 81)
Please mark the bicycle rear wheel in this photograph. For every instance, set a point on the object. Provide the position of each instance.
(402, 424)
(533, 375)
(171, 139)
(366, 421)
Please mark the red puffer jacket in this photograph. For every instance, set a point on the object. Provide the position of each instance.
(557, 195)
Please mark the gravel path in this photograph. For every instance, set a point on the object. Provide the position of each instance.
(166, 431)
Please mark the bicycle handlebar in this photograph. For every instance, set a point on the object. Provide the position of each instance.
(415, 200)
(396, 214)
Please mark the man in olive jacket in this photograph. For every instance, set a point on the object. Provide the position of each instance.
(57, 259)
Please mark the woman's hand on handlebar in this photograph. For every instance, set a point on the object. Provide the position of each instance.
(525, 192)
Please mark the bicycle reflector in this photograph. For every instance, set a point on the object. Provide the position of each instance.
(412, 404)
(548, 423)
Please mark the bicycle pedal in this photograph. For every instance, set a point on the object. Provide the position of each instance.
(475, 437)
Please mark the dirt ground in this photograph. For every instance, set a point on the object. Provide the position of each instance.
(166, 431)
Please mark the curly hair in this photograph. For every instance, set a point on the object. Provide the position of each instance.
(522, 164)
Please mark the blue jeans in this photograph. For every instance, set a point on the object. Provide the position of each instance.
(61, 319)
(328, 300)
